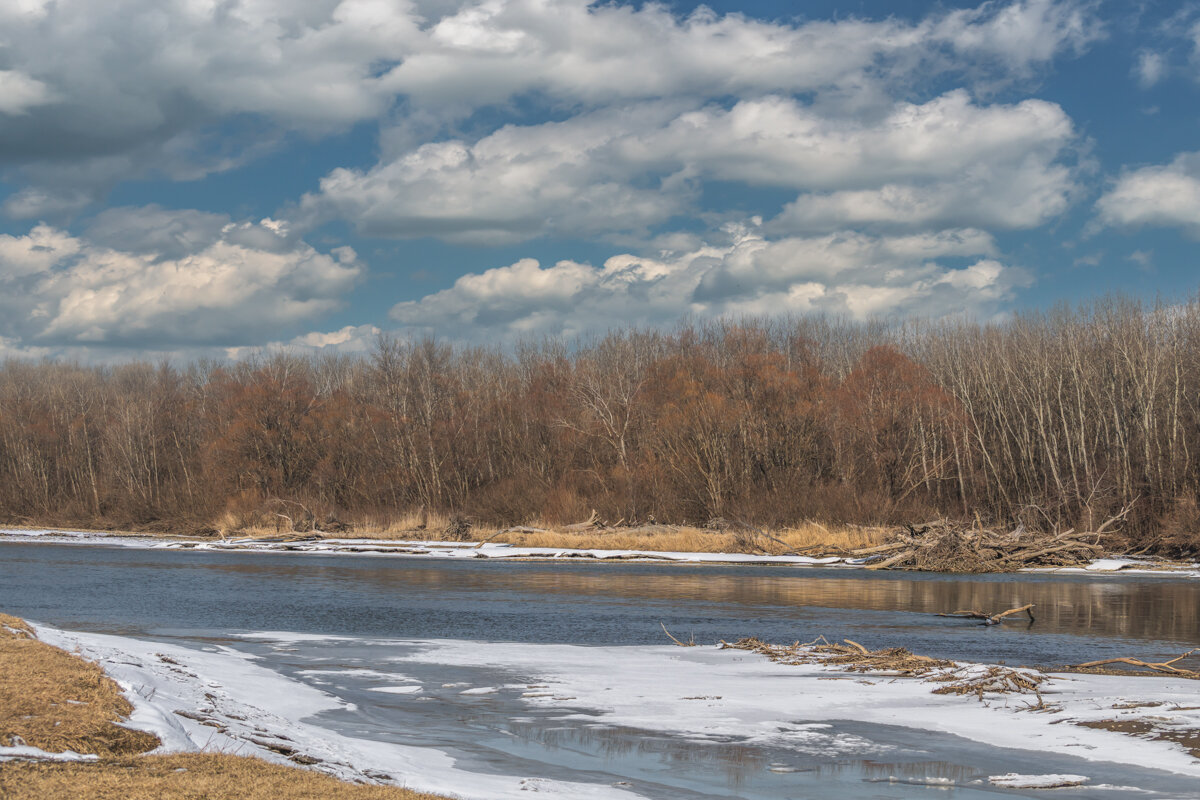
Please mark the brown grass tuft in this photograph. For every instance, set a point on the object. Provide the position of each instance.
(56, 701)
(190, 776)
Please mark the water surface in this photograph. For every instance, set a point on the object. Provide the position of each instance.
(197, 598)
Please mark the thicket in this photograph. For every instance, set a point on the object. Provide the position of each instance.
(1051, 420)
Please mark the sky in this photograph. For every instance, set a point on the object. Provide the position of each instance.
(209, 178)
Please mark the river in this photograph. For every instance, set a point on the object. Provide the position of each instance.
(197, 598)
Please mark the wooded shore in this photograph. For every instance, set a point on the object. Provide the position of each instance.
(1042, 423)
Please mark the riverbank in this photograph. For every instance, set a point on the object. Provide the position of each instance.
(495, 550)
(69, 730)
(1111, 733)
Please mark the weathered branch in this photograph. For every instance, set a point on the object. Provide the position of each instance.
(992, 619)
(1157, 666)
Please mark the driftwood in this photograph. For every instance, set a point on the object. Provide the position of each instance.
(591, 522)
(514, 529)
(850, 656)
(746, 538)
(1167, 667)
(944, 546)
(691, 642)
(847, 654)
(458, 529)
(991, 619)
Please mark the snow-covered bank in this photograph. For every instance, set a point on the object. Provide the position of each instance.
(221, 698)
(706, 692)
(500, 551)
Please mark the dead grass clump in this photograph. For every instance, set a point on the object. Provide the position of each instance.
(55, 701)
(191, 776)
(850, 656)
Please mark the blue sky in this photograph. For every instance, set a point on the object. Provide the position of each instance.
(192, 177)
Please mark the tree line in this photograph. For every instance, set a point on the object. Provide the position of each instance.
(1053, 419)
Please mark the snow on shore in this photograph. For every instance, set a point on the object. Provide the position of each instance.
(221, 699)
(706, 692)
(500, 551)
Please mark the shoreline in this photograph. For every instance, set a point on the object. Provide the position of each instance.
(223, 699)
(503, 551)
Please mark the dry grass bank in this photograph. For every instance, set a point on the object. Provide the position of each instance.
(809, 537)
(56, 701)
(192, 776)
(805, 537)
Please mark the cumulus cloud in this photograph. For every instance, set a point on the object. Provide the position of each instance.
(1021, 194)
(196, 280)
(514, 184)
(581, 49)
(949, 161)
(953, 272)
(1156, 196)
(1022, 34)
(140, 86)
(351, 340)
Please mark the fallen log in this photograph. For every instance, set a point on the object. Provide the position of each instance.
(588, 524)
(991, 619)
(514, 529)
(1167, 667)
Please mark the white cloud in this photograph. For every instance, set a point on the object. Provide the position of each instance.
(19, 92)
(145, 86)
(1156, 196)
(948, 161)
(1021, 194)
(514, 184)
(1149, 68)
(486, 51)
(192, 283)
(352, 340)
(845, 273)
(1022, 34)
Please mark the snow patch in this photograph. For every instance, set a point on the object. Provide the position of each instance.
(23, 752)
(223, 701)
(1014, 780)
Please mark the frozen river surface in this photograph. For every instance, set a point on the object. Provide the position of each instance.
(554, 676)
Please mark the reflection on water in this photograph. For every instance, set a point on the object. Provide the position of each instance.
(1078, 617)
(1139, 608)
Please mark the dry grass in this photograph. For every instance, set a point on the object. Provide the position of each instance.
(806, 537)
(191, 776)
(56, 701)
